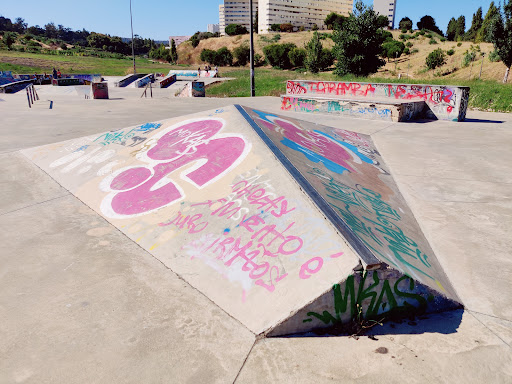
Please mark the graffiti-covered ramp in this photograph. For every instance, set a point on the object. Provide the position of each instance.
(275, 220)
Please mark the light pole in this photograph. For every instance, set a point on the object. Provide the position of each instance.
(251, 56)
(133, 50)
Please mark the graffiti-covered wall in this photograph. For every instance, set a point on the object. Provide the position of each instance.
(444, 102)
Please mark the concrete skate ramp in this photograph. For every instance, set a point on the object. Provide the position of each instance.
(273, 219)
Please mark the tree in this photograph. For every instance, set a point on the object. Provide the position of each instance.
(223, 57)
(435, 59)
(460, 28)
(5, 24)
(451, 30)
(9, 39)
(428, 22)
(286, 27)
(236, 29)
(297, 57)
(19, 25)
(501, 36)
(242, 54)
(207, 56)
(277, 55)
(313, 53)
(50, 31)
(483, 33)
(174, 52)
(476, 24)
(334, 21)
(405, 23)
(392, 49)
(357, 46)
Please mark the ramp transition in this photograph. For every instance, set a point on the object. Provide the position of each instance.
(287, 225)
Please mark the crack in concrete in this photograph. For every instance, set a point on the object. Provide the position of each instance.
(33, 205)
(489, 329)
(246, 358)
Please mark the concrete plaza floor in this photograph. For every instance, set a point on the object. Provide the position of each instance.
(81, 303)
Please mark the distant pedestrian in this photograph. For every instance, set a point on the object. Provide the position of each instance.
(58, 73)
(199, 72)
(54, 73)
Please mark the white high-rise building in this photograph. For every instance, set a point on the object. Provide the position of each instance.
(386, 8)
(299, 13)
(236, 12)
(212, 28)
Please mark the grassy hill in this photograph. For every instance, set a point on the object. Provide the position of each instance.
(412, 65)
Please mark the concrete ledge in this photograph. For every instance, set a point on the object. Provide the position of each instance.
(63, 82)
(128, 79)
(167, 81)
(365, 109)
(143, 81)
(15, 86)
(444, 102)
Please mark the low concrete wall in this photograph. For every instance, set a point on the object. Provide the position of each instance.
(167, 81)
(128, 79)
(15, 86)
(193, 89)
(387, 111)
(143, 81)
(190, 73)
(445, 102)
(63, 82)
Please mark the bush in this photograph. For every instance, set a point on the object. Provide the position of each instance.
(459, 44)
(242, 54)
(275, 27)
(428, 35)
(392, 49)
(236, 29)
(435, 59)
(450, 52)
(443, 39)
(326, 59)
(314, 27)
(432, 41)
(469, 57)
(494, 56)
(286, 27)
(409, 44)
(207, 56)
(414, 51)
(403, 30)
(406, 51)
(277, 55)
(422, 32)
(223, 57)
(297, 57)
(258, 60)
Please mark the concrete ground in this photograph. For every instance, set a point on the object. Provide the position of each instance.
(81, 303)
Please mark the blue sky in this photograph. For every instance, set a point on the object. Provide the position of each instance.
(158, 19)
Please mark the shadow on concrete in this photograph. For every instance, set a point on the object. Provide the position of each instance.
(116, 98)
(482, 121)
(444, 323)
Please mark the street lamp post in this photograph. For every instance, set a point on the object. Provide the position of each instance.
(133, 49)
(251, 56)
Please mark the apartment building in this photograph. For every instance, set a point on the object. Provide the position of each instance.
(386, 8)
(212, 28)
(236, 12)
(299, 13)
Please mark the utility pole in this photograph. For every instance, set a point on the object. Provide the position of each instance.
(251, 56)
(133, 50)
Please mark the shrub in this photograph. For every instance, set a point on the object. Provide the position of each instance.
(443, 39)
(258, 60)
(223, 57)
(459, 44)
(450, 52)
(422, 32)
(297, 57)
(301, 28)
(326, 59)
(275, 27)
(409, 44)
(392, 49)
(468, 58)
(432, 41)
(494, 56)
(236, 29)
(277, 55)
(314, 27)
(428, 35)
(435, 59)
(286, 27)
(403, 30)
(407, 51)
(207, 56)
(242, 54)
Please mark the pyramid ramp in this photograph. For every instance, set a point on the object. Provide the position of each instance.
(288, 226)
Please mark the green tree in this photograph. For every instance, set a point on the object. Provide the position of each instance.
(501, 36)
(405, 23)
(357, 46)
(428, 22)
(207, 56)
(313, 53)
(9, 39)
(236, 29)
(277, 55)
(223, 57)
(483, 33)
(50, 31)
(435, 59)
(476, 24)
(334, 21)
(297, 57)
(392, 49)
(460, 28)
(242, 54)
(451, 30)
(174, 52)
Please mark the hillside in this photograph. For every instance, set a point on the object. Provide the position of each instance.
(412, 65)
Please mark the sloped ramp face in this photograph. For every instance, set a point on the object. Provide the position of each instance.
(213, 197)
